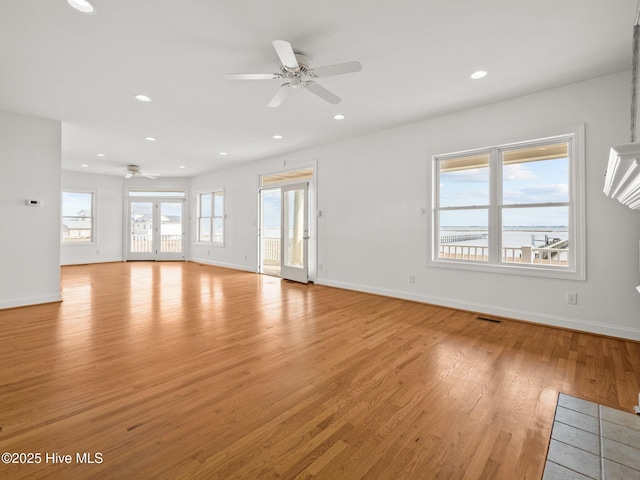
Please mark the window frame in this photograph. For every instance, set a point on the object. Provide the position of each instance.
(94, 219)
(212, 218)
(576, 205)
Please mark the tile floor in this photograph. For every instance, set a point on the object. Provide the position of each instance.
(591, 441)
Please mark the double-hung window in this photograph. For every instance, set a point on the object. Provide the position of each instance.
(211, 217)
(516, 208)
(78, 218)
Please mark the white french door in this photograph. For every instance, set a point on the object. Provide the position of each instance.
(294, 228)
(156, 229)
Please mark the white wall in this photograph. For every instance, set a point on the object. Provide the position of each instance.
(111, 214)
(160, 182)
(240, 205)
(109, 200)
(371, 235)
(30, 239)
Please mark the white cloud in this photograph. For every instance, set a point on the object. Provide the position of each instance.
(517, 171)
(471, 175)
(553, 190)
(538, 194)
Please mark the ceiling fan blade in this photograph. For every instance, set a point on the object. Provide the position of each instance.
(337, 69)
(280, 95)
(285, 53)
(152, 176)
(128, 175)
(252, 76)
(322, 92)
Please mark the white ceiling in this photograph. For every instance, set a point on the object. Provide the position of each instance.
(416, 58)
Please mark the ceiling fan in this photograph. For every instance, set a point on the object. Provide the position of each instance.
(297, 73)
(135, 171)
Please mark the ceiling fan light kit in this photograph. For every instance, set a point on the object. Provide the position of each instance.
(136, 171)
(297, 73)
(83, 6)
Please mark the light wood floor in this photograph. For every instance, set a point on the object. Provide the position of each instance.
(177, 370)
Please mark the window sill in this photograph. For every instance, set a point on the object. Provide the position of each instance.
(77, 244)
(210, 244)
(543, 271)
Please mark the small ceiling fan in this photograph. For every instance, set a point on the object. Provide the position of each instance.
(135, 171)
(297, 73)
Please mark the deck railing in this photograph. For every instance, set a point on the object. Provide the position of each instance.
(524, 254)
(271, 250)
(141, 243)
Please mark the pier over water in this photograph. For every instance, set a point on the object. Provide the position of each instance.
(463, 237)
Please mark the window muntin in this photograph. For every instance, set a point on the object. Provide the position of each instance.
(531, 215)
(211, 217)
(78, 218)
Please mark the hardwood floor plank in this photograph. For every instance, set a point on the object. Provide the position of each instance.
(184, 371)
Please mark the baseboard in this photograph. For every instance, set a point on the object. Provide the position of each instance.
(92, 260)
(516, 314)
(233, 266)
(24, 302)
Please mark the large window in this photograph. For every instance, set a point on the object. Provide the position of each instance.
(78, 217)
(211, 217)
(516, 207)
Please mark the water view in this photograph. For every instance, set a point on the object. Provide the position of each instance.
(521, 244)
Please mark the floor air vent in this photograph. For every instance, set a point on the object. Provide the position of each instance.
(487, 319)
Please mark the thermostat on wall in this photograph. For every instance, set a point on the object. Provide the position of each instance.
(33, 203)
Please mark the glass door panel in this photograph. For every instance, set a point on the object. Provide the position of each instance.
(171, 229)
(294, 232)
(141, 231)
(270, 231)
(156, 230)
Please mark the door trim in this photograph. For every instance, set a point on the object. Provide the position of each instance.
(293, 272)
(314, 213)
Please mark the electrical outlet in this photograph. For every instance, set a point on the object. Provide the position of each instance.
(572, 298)
(412, 278)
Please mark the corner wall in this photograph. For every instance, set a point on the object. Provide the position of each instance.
(372, 236)
(109, 198)
(110, 214)
(30, 156)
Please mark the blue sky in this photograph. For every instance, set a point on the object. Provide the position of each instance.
(271, 208)
(74, 202)
(523, 183)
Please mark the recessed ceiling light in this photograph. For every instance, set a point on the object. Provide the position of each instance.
(83, 6)
(101, 155)
(84, 165)
(150, 139)
(278, 137)
(339, 116)
(223, 153)
(143, 98)
(478, 74)
(182, 166)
